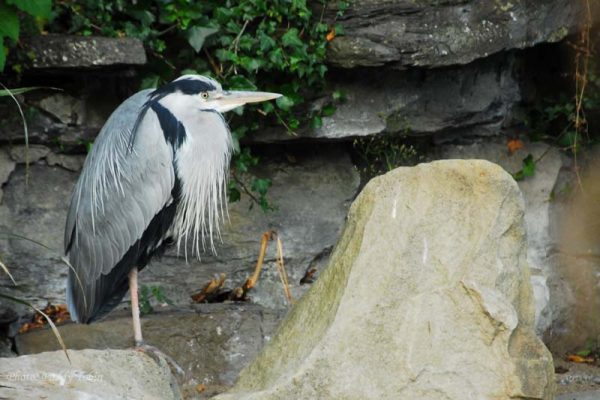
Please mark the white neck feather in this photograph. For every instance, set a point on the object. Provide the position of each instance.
(202, 164)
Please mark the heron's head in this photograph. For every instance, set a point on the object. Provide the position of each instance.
(206, 94)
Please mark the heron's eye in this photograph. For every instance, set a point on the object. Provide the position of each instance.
(204, 95)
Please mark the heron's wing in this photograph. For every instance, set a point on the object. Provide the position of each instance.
(120, 192)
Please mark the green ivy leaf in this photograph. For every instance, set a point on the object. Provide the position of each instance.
(266, 42)
(291, 38)
(9, 26)
(251, 64)
(144, 16)
(276, 58)
(261, 186)
(144, 301)
(328, 110)
(569, 139)
(37, 8)
(342, 7)
(234, 193)
(528, 169)
(584, 352)
(268, 107)
(293, 123)
(235, 144)
(338, 95)
(196, 36)
(284, 103)
(150, 82)
(160, 296)
(240, 82)
(339, 30)
(316, 122)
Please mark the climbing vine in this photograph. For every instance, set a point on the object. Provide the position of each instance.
(271, 45)
(11, 14)
(570, 120)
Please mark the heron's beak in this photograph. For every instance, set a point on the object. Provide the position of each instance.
(234, 98)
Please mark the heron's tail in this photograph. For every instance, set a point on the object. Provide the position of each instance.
(90, 301)
(71, 297)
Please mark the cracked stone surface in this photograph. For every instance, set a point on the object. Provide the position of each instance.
(70, 51)
(32, 153)
(211, 343)
(552, 299)
(7, 166)
(430, 33)
(91, 374)
(416, 102)
(72, 163)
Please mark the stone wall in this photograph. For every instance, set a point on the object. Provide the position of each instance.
(446, 71)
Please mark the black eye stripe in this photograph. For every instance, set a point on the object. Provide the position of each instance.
(185, 86)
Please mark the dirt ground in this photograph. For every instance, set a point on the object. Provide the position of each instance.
(576, 377)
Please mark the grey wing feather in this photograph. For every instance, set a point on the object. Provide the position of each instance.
(119, 192)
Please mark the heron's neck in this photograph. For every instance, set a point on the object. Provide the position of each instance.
(202, 166)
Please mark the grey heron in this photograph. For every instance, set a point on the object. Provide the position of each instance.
(157, 174)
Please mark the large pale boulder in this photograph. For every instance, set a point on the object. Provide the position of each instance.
(540, 192)
(427, 296)
(91, 374)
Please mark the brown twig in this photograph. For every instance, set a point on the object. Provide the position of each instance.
(212, 291)
(163, 59)
(236, 41)
(251, 281)
(235, 47)
(213, 64)
(244, 187)
(582, 58)
(282, 273)
(287, 127)
(167, 30)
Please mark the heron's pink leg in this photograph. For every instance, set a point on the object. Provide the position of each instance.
(135, 307)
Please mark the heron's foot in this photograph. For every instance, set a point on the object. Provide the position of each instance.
(160, 357)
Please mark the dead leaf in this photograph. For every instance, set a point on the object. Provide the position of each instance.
(330, 35)
(211, 287)
(309, 276)
(514, 145)
(578, 359)
(200, 388)
(213, 291)
(57, 314)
